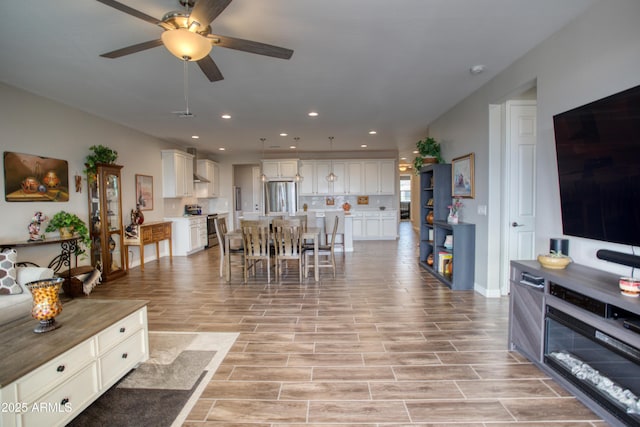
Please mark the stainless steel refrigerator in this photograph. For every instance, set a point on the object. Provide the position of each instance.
(280, 196)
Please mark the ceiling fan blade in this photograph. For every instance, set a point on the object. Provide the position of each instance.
(206, 11)
(210, 69)
(132, 49)
(128, 10)
(251, 46)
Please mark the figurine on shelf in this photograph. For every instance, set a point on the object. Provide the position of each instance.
(34, 227)
(137, 217)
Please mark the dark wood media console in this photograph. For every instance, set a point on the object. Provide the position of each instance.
(582, 306)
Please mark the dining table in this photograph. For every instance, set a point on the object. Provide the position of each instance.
(310, 234)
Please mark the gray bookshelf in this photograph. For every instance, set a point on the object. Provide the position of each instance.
(435, 196)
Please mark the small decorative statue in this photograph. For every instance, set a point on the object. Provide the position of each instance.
(34, 227)
(137, 217)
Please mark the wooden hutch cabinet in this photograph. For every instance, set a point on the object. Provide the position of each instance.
(105, 213)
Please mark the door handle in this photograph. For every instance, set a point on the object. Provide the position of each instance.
(515, 224)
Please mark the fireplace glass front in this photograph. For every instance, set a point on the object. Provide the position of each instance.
(601, 366)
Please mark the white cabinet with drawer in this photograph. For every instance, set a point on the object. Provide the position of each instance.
(54, 377)
(189, 234)
(375, 225)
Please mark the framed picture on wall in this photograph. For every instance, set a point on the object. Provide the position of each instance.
(462, 183)
(144, 192)
(31, 178)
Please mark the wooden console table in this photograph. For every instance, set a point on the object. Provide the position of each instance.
(151, 232)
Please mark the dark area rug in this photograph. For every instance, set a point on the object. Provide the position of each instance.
(135, 407)
(160, 391)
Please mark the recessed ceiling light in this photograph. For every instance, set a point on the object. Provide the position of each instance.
(403, 158)
(293, 147)
(221, 149)
(195, 137)
(372, 132)
(363, 145)
(313, 114)
(476, 69)
(284, 134)
(415, 151)
(226, 116)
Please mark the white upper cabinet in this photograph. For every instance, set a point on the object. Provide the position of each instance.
(280, 169)
(379, 177)
(210, 170)
(314, 173)
(355, 177)
(177, 174)
(355, 173)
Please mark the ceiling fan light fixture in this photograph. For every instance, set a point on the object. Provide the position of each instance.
(185, 44)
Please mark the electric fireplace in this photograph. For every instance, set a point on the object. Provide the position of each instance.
(598, 364)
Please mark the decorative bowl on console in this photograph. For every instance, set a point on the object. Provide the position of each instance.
(554, 261)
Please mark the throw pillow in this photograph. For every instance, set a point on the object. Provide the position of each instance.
(8, 284)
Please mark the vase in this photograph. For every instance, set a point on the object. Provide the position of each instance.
(452, 218)
(429, 217)
(46, 303)
(66, 232)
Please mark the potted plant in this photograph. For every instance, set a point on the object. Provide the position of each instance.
(69, 224)
(101, 154)
(427, 147)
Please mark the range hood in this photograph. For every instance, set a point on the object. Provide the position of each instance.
(196, 177)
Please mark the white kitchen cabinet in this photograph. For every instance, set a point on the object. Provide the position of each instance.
(371, 225)
(358, 225)
(177, 174)
(389, 224)
(375, 225)
(379, 177)
(209, 170)
(355, 175)
(189, 234)
(314, 180)
(280, 169)
(340, 185)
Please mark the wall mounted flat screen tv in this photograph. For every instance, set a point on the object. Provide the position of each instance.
(598, 152)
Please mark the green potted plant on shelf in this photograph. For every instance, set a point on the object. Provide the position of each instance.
(427, 148)
(101, 154)
(68, 225)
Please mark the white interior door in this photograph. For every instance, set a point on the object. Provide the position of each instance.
(520, 204)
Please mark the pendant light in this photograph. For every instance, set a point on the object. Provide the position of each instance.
(298, 177)
(332, 177)
(263, 177)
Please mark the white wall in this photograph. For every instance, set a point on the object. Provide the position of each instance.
(594, 56)
(34, 125)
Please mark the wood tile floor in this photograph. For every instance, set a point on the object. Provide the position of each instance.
(382, 344)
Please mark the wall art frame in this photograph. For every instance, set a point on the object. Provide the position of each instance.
(32, 178)
(144, 192)
(462, 177)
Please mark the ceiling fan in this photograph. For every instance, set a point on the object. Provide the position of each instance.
(187, 35)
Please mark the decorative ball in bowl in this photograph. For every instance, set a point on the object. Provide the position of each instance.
(553, 261)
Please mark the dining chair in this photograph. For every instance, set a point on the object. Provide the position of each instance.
(329, 221)
(235, 250)
(257, 248)
(326, 252)
(302, 219)
(287, 239)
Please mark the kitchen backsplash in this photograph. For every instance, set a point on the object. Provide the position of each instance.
(320, 202)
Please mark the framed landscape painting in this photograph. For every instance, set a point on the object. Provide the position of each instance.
(462, 184)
